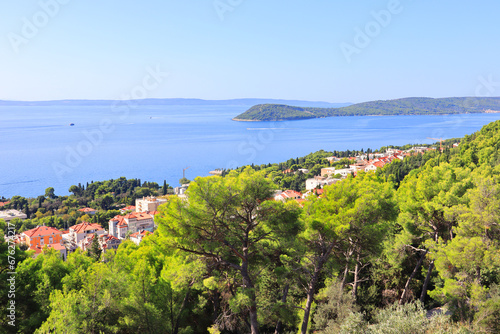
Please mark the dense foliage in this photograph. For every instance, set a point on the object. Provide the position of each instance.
(406, 106)
(62, 211)
(411, 248)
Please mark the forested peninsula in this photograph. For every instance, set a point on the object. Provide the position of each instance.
(404, 106)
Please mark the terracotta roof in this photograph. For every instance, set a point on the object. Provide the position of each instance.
(4, 203)
(289, 194)
(138, 216)
(85, 226)
(41, 231)
(318, 191)
(56, 246)
(86, 210)
(38, 249)
(109, 237)
(130, 207)
(140, 233)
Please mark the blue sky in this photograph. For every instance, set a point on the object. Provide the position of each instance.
(220, 49)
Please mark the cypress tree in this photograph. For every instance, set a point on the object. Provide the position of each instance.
(95, 250)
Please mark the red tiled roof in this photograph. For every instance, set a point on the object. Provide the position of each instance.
(290, 194)
(56, 246)
(41, 231)
(109, 238)
(141, 233)
(318, 191)
(38, 248)
(4, 203)
(122, 224)
(138, 216)
(86, 210)
(85, 226)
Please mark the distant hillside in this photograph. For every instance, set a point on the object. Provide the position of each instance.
(176, 101)
(406, 106)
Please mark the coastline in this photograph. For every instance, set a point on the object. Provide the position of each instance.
(247, 120)
(304, 118)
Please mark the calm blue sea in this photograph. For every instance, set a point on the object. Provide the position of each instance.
(39, 148)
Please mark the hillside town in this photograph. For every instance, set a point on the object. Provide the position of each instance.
(364, 162)
(137, 222)
(134, 223)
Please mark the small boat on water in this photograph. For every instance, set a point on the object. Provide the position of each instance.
(71, 124)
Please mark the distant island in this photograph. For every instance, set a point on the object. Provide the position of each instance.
(404, 106)
(175, 102)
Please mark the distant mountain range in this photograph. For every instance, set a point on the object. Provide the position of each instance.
(405, 106)
(242, 102)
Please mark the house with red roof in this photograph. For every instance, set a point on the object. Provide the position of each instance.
(133, 222)
(138, 236)
(288, 194)
(58, 247)
(106, 242)
(41, 236)
(79, 231)
(88, 211)
(317, 192)
(127, 209)
(379, 164)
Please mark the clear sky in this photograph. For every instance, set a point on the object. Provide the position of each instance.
(323, 50)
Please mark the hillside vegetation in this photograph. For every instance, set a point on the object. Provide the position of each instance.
(373, 254)
(406, 106)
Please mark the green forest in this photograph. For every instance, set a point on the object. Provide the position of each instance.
(405, 106)
(411, 248)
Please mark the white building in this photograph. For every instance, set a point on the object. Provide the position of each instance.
(78, 232)
(315, 182)
(327, 171)
(181, 190)
(344, 172)
(370, 167)
(138, 236)
(134, 222)
(148, 204)
(8, 215)
(106, 242)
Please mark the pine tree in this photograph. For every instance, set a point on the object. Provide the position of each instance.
(95, 250)
(27, 210)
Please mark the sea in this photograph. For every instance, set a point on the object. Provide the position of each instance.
(58, 146)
